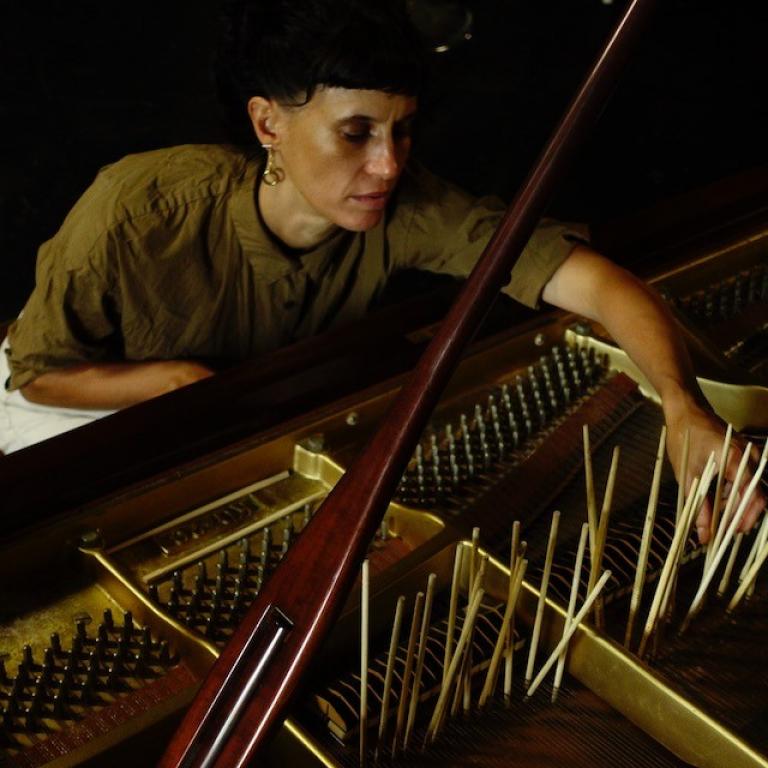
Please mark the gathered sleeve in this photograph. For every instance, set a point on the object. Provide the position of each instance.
(72, 314)
(439, 228)
(70, 318)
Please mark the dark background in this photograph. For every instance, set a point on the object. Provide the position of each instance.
(84, 83)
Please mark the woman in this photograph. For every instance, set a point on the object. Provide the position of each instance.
(208, 252)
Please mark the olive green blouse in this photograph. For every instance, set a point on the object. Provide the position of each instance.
(165, 257)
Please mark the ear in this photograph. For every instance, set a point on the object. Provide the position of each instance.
(265, 117)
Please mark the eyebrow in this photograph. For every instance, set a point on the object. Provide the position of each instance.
(371, 119)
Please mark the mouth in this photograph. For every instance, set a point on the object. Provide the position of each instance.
(372, 200)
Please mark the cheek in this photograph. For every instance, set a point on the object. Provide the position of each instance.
(325, 166)
(334, 175)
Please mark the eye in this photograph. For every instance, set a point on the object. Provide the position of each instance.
(356, 137)
(356, 131)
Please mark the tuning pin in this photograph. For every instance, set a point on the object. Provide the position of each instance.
(80, 628)
(154, 595)
(265, 545)
(164, 652)
(109, 621)
(575, 360)
(26, 657)
(56, 644)
(46, 673)
(127, 631)
(287, 531)
(34, 711)
(499, 439)
(173, 601)
(17, 692)
(437, 477)
(454, 467)
(142, 659)
(146, 639)
(199, 589)
(549, 385)
(259, 576)
(470, 458)
(68, 674)
(221, 579)
(113, 675)
(60, 709)
(241, 577)
(102, 642)
(91, 682)
(435, 452)
(210, 628)
(77, 648)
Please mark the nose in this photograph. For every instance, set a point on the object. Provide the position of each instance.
(385, 159)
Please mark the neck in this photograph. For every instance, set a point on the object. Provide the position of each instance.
(284, 212)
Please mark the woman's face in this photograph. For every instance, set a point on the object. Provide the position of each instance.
(343, 152)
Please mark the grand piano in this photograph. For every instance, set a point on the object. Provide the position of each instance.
(132, 547)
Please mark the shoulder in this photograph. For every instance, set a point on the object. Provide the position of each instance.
(129, 195)
(171, 177)
(428, 205)
(419, 188)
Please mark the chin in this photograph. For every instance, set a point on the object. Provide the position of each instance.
(360, 222)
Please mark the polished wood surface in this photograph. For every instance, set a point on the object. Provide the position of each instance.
(162, 435)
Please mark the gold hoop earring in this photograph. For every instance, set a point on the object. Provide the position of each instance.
(272, 175)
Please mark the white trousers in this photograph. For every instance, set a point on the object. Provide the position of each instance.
(23, 423)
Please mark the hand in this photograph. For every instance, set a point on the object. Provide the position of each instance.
(707, 433)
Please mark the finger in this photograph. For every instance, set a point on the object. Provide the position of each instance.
(733, 461)
(703, 521)
(754, 510)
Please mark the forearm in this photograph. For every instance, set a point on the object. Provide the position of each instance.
(636, 318)
(112, 385)
(639, 321)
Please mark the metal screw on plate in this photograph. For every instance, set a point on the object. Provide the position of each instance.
(352, 419)
(539, 340)
(90, 540)
(313, 443)
(582, 328)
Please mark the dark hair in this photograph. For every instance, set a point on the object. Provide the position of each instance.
(286, 49)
